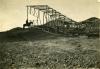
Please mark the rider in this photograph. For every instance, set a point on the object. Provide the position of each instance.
(27, 21)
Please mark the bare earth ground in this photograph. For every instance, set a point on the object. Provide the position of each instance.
(58, 53)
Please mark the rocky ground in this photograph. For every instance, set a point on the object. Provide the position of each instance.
(57, 53)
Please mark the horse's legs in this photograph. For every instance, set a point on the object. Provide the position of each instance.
(23, 26)
(28, 25)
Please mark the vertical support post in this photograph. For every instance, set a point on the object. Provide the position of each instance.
(46, 14)
(27, 12)
(47, 17)
(43, 20)
(52, 18)
(58, 20)
(43, 17)
(34, 12)
(55, 22)
(30, 10)
(37, 16)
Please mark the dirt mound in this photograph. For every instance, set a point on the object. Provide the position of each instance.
(18, 34)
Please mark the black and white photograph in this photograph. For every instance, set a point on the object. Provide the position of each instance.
(49, 34)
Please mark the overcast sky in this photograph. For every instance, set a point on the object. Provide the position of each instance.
(13, 12)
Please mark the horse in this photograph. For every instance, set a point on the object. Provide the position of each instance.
(27, 24)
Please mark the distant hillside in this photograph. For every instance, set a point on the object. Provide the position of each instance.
(91, 26)
(91, 20)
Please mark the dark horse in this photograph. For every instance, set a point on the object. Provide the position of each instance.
(28, 24)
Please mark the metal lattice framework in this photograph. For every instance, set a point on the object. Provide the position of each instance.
(48, 13)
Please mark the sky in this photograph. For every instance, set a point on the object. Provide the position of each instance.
(13, 12)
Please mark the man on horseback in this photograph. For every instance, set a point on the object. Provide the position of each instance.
(28, 24)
